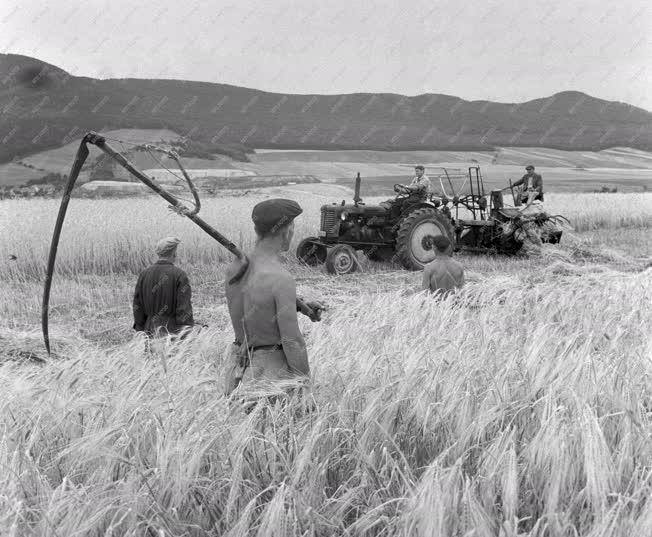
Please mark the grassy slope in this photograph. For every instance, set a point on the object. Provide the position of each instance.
(526, 400)
(627, 169)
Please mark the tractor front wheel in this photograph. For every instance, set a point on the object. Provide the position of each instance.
(341, 259)
(414, 245)
(311, 251)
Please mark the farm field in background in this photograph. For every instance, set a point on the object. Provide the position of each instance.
(629, 170)
(626, 169)
(498, 176)
(519, 408)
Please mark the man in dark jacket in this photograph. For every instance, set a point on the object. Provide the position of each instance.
(162, 299)
(532, 183)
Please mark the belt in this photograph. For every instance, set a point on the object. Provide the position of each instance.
(277, 347)
(254, 348)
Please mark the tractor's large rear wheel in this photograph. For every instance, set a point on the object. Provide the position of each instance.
(414, 245)
(311, 251)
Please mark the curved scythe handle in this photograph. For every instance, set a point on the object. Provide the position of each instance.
(80, 158)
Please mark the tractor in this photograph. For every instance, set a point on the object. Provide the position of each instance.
(405, 226)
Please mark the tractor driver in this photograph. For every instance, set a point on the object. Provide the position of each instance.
(421, 182)
(417, 191)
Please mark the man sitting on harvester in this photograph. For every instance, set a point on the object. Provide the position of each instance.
(532, 185)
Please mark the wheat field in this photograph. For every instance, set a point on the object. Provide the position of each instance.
(520, 407)
(112, 235)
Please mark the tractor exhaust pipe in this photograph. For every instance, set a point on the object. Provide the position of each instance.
(356, 195)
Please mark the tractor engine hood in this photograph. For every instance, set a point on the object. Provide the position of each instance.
(350, 208)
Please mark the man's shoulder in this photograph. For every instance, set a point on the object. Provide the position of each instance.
(275, 272)
(444, 264)
(275, 278)
(154, 268)
(180, 273)
(435, 264)
(233, 267)
(457, 265)
(177, 272)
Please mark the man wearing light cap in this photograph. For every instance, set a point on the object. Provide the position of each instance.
(263, 302)
(162, 298)
(532, 185)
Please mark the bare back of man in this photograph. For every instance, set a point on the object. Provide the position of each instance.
(263, 303)
(442, 276)
(235, 299)
(262, 306)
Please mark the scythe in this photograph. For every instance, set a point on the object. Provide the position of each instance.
(176, 205)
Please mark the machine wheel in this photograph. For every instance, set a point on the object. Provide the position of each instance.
(510, 246)
(554, 238)
(311, 251)
(413, 240)
(381, 253)
(341, 259)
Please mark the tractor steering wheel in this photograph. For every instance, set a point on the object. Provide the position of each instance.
(401, 189)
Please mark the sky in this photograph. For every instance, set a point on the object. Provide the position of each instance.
(504, 51)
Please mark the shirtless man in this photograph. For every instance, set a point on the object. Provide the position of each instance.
(443, 274)
(263, 303)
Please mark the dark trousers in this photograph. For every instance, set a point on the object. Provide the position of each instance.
(539, 197)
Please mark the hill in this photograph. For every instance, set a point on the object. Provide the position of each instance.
(43, 107)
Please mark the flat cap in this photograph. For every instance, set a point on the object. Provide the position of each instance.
(274, 213)
(167, 246)
(529, 167)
